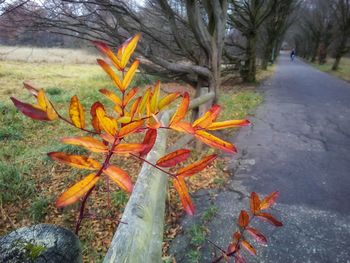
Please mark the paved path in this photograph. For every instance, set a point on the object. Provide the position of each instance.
(300, 145)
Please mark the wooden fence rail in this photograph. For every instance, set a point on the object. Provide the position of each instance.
(140, 239)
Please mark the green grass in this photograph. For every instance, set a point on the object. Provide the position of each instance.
(344, 68)
(39, 208)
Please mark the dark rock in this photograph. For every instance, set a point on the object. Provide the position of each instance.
(40, 243)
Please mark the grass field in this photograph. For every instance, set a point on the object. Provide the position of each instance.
(30, 182)
(344, 69)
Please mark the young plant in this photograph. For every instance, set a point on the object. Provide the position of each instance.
(244, 221)
(109, 132)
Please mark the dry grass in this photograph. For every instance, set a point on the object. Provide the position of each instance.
(47, 55)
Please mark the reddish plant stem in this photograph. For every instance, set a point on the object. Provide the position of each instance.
(155, 166)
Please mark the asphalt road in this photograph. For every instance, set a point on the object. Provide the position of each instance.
(299, 144)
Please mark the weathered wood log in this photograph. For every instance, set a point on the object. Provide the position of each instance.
(140, 239)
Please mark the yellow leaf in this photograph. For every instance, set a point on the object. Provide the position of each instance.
(167, 100)
(76, 113)
(112, 96)
(144, 101)
(111, 73)
(155, 97)
(77, 191)
(127, 49)
(45, 105)
(108, 124)
(130, 74)
(87, 142)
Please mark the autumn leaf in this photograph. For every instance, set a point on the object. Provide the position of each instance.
(130, 95)
(248, 247)
(254, 203)
(197, 166)
(149, 140)
(164, 102)
(30, 111)
(109, 125)
(75, 160)
(173, 158)
(243, 219)
(127, 49)
(108, 52)
(76, 113)
(129, 148)
(134, 107)
(77, 191)
(111, 96)
(155, 97)
(130, 128)
(94, 121)
(227, 124)
(120, 177)
(257, 235)
(239, 258)
(181, 110)
(182, 126)
(269, 218)
(87, 142)
(215, 142)
(46, 106)
(186, 201)
(130, 74)
(111, 73)
(269, 200)
(31, 89)
(108, 138)
(207, 118)
(144, 101)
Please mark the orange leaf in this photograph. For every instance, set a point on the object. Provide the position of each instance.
(30, 111)
(107, 51)
(134, 107)
(173, 158)
(208, 118)
(108, 138)
(248, 247)
(155, 97)
(149, 140)
(111, 73)
(75, 160)
(130, 95)
(120, 177)
(269, 200)
(257, 235)
(215, 142)
(197, 166)
(181, 110)
(130, 74)
(109, 125)
(243, 219)
(112, 96)
(46, 106)
(31, 89)
(269, 218)
(77, 191)
(186, 201)
(129, 148)
(153, 122)
(182, 126)
(227, 124)
(239, 258)
(76, 112)
(167, 100)
(130, 128)
(94, 121)
(87, 142)
(127, 49)
(254, 203)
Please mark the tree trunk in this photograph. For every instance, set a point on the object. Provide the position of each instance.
(335, 66)
(250, 66)
(341, 50)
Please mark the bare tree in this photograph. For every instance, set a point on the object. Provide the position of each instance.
(342, 17)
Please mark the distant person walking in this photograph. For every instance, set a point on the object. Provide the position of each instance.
(292, 55)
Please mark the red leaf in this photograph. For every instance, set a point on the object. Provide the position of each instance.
(30, 111)
(149, 140)
(257, 235)
(239, 258)
(31, 89)
(248, 247)
(173, 158)
(186, 201)
(254, 203)
(269, 200)
(120, 177)
(197, 166)
(243, 219)
(269, 218)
